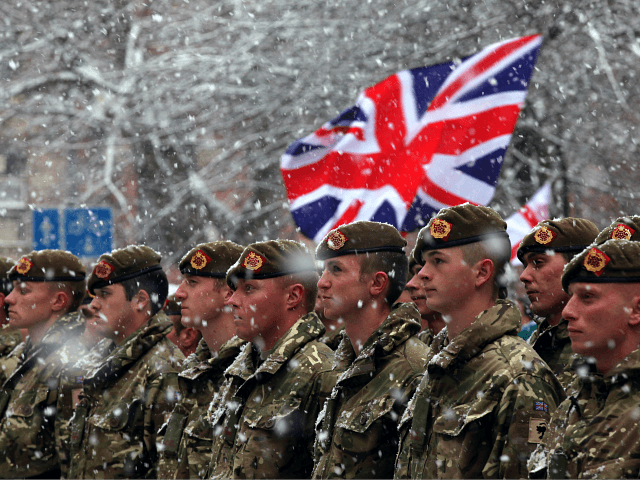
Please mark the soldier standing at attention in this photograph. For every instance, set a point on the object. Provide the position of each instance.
(595, 433)
(127, 397)
(264, 414)
(485, 398)
(432, 321)
(9, 336)
(48, 289)
(185, 338)
(544, 252)
(365, 273)
(187, 436)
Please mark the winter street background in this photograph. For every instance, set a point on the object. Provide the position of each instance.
(175, 113)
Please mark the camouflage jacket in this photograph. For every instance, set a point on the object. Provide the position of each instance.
(554, 347)
(263, 417)
(125, 400)
(27, 436)
(357, 430)
(186, 437)
(425, 336)
(482, 405)
(71, 378)
(9, 339)
(596, 432)
(9, 355)
(332, 339)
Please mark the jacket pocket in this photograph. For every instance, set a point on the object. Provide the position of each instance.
(283, 418)
(360, 428)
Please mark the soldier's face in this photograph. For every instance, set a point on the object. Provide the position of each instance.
(416, 290)
(542, 282)
(342, 290)
(202, 300)
(30, 303)
(258, 308)
(600, 317)
(446, 278)
(112, 309)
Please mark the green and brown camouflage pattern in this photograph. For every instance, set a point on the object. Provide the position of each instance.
(264, 415)
(553, 345)
(595, 433)
(425, 336)
(27, 437)
(10, 338)
(357, 430)
(71, 378)
(125, 401)
(332, 339)
(186, 451)
(474, 414)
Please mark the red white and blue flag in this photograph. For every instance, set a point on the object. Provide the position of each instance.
(520, 223)
(418, 141)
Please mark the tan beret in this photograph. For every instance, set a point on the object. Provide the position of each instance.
(360, 237)
(271, 259)
(460, 225)
(622, 228)
(615, 261)
(123, 264)
(6, 264)
(48, 266)
(212, 259)
(562, 235)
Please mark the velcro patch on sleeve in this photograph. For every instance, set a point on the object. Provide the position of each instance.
(537, 427)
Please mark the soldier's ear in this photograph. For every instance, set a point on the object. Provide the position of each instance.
(295, 296)
(379, 284)
(142, 301)
(483, 271)
(634, 317)
(60, 301)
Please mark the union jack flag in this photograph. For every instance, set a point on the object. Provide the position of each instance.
(418, 141)
(520, 223)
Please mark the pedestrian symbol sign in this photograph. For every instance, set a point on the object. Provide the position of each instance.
(88, 232)
(46, 229)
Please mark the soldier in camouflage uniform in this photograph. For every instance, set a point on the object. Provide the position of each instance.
(185, 338)
(263, 417)
(432, 321)
(9, 337)
(126, 398)
(595, 433)
(186, 437)
(544, 252)
(380, 359)
(484, 401)
(48, 288)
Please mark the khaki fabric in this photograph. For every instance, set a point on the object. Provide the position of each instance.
(263, 417)
(357, 430)
(482, 405)
(125, 401)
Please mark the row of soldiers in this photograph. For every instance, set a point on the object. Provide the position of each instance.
(301, 375)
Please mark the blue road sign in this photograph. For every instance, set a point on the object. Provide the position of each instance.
(88, 231)
(46, 229)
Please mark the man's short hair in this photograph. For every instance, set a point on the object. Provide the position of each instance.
(156, 285)
(498, 250)
(394, 264)
(309, 280)
(75, 290)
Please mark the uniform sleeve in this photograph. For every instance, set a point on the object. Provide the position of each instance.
(521, 421)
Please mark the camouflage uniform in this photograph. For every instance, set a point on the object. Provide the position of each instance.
(358, 435)
(125, 401)
(71, 378)
(554, 347)
(482, 405)
(425, 336)
(332, 339)
(9, 339)
(186, 437)
(263, 417)
(28, 400)
(595, 433)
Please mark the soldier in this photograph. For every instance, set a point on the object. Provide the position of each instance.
(596, 432)
(485, 398)
(48, 289)
(622, 228)
(432, 322)
(185, 338)
(365, 272)
(263, 417)
(9, 337)
(544, 252)
(126, 398)
(187, 436)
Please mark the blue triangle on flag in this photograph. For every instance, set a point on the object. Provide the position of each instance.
(418, 215)
(487, 168)
(385, 214)
(312, 216)
(299, 148)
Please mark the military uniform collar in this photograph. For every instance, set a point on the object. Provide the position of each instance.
(402, 323)
(204, 360)
(307, 328)
(559, 331)
(67, 326)
(501, 319)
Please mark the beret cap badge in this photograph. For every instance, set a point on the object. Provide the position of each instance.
(622, 232)
(253, 262)
(199, 260)
(103, 270)
(544, 235)
(595, 261)
(23, 266)
(336, 240)
(440, 229)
